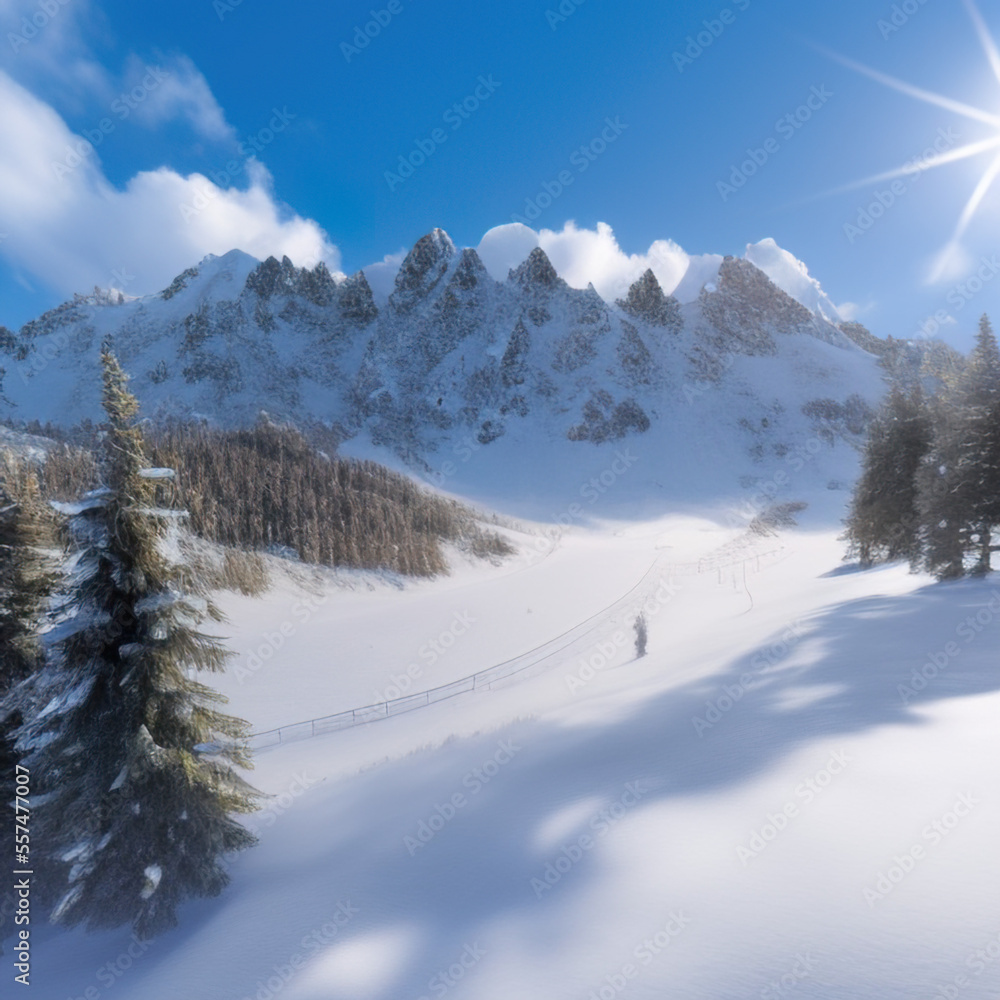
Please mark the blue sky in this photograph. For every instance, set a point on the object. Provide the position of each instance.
(286, 130)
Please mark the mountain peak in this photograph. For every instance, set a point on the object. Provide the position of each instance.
(424, 266)
(792, 277)
(470, 271)
(537, 271)
(646, 301)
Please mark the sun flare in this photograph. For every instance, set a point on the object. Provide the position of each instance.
(952, 249)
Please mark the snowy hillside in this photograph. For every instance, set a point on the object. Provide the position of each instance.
(476, 787)
(456, 363)
(793, 793)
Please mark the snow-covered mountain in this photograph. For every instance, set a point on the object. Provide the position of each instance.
(454, 354)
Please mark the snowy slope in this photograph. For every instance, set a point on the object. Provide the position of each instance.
(765, 795)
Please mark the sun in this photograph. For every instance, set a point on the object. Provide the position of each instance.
(952, 248)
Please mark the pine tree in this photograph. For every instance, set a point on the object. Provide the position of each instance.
(27, 569)
(981, 411)
(960, 482)
(27, 576)
(883, 522)
(132, 762)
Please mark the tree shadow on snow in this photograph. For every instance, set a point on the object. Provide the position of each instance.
(839, 675)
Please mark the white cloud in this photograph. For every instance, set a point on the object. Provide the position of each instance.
(47, 49)
(593, 256)
(71, 229)
(504, 247)
(170, 90)
(584, 256)
(47, 46)
(382, 275)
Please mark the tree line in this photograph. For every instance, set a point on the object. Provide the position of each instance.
(929, 489)
(269, 488)
(132, 765)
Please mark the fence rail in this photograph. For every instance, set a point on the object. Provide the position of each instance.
(486, 678)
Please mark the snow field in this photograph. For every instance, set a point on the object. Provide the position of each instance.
(823, 833)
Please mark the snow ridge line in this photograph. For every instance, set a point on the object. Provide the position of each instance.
(484, 679)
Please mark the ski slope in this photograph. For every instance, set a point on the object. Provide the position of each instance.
(770, 803)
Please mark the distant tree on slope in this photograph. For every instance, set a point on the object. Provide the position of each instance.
(641, 635)
(960, 482)
(929, 489)
(883, 522)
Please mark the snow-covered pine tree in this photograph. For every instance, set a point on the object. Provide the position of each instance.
(883, 521)
(959, 485)
(981, 418)
(27, 575)
(132, 762)
(28, 569)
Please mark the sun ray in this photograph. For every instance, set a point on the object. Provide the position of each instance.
(976, 200)
(951, 156)
(966, 110)
(985, 182)
(985, 38)
(952, 256)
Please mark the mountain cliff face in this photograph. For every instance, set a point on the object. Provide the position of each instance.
(452, 351)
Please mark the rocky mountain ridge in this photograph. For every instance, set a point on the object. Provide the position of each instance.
(451, 351)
